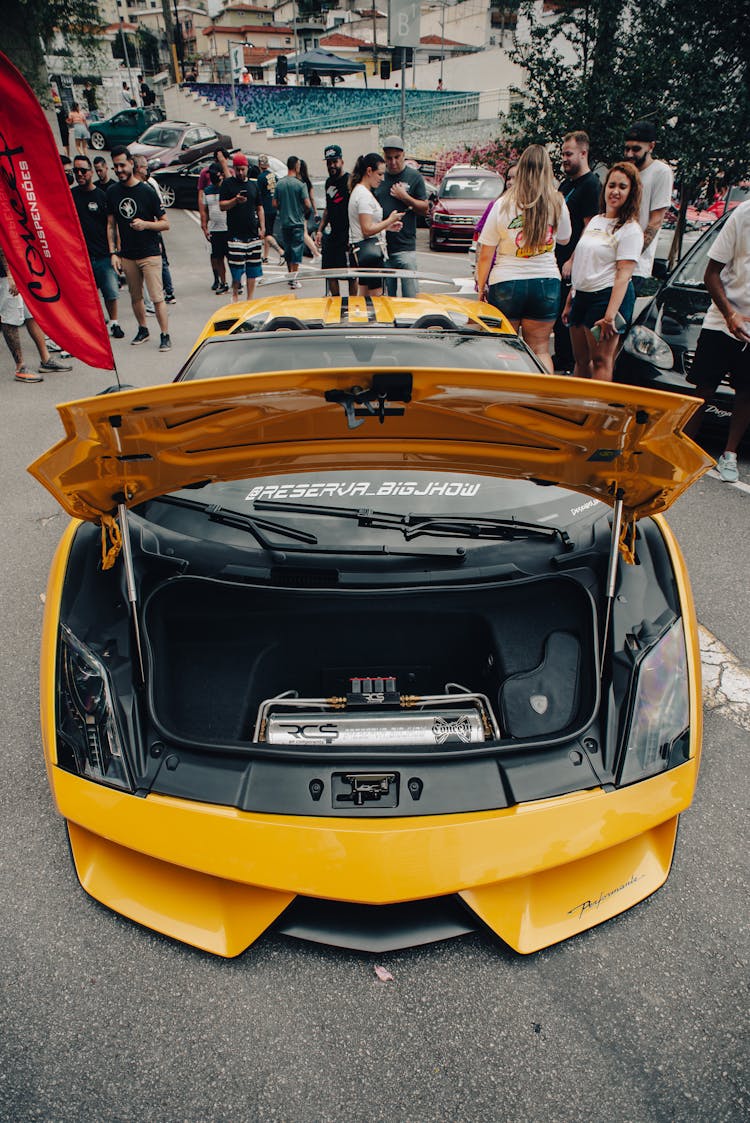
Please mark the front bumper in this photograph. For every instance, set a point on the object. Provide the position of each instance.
(216, 877)
(452, 233)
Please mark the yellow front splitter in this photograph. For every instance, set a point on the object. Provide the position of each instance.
(216, 877)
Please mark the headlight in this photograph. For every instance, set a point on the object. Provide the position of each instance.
(155, 162)
(646, 344)
(89, 741)
(660, 715)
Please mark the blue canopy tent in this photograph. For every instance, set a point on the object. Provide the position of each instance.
(324, 64)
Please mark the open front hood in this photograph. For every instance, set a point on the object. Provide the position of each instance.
(599, 439)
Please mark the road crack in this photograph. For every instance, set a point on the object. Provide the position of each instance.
(726, 683)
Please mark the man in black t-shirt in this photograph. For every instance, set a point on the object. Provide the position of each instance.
(136, 219)
(101, 171)
(333, 232)
(402, 189)
(91, 204)
(240, 199)
(581, 190)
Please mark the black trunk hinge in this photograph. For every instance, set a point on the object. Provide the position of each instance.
(370, 401)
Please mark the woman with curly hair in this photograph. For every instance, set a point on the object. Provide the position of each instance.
(600, 305)
(521, 232)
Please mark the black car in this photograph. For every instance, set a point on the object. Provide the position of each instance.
(179, 185)
(178, 142)
(658, 350)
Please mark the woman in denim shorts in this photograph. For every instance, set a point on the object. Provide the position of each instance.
(521, 232)
(600, 305)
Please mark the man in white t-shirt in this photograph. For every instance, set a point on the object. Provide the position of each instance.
(724, 341)
(656, 187)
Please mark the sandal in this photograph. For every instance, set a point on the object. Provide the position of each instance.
(264, 260)
(23, 374)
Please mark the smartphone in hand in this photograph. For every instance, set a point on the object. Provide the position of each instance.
(619, 323)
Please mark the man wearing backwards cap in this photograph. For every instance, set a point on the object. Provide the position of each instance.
(240, 198)
(335, 217)
(656, 195)
(402, 189)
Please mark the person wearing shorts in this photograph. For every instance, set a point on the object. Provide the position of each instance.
(136, 219)
(90, 202)
(516, 266)
(600, 304)
(214, 226)
(267, 188)
(14, 313)
(724, 342)
(239, 199)
(292, 204)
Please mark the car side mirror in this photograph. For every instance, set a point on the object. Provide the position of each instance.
(660, 270)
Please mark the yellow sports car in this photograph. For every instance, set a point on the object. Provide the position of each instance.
(366, 631)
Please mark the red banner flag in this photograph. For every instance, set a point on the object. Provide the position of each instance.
(39, 229)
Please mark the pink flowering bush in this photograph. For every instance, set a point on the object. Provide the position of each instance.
(496, 154)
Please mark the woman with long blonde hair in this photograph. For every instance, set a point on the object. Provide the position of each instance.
(521, 232)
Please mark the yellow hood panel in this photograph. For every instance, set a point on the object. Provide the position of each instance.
(593, 437)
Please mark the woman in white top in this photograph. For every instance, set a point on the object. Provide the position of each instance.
(366, 222)
(600, 305)
(521, 232)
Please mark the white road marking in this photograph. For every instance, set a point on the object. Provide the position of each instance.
(194, 215)
(738, 484)
(726, 684)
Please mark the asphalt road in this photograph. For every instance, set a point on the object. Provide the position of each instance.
(642, 1019)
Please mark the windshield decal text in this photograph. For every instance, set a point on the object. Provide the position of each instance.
(363, 489)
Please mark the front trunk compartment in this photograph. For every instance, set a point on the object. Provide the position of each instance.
(218, 650)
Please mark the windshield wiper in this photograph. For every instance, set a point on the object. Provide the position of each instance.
(413, 525)
(256, 526)
(238, 521)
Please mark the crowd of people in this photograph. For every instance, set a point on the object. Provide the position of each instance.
(369, 219)
(562, 262)
(567, 261)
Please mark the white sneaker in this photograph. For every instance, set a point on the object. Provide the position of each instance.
(727, 467)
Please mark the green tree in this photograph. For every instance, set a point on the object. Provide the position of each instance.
(29, 26)
(573, 61)
(601, 64)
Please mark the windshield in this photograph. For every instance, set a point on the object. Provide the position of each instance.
(690, 272)
(303, 505)
(161, 137)
(471, 187)
(298, 350)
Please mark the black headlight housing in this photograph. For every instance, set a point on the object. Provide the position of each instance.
(89, 741)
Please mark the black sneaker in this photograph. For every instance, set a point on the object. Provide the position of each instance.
(165, 344)
(215, 285)
(140, 337)
(116, 332)
(171, 299)
(222, 289)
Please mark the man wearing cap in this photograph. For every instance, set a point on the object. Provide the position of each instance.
(239, 197)
(656, 195)
(402, 189)
(333, 231)
(267, 188)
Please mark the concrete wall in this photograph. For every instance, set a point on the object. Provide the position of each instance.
(182, 106)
